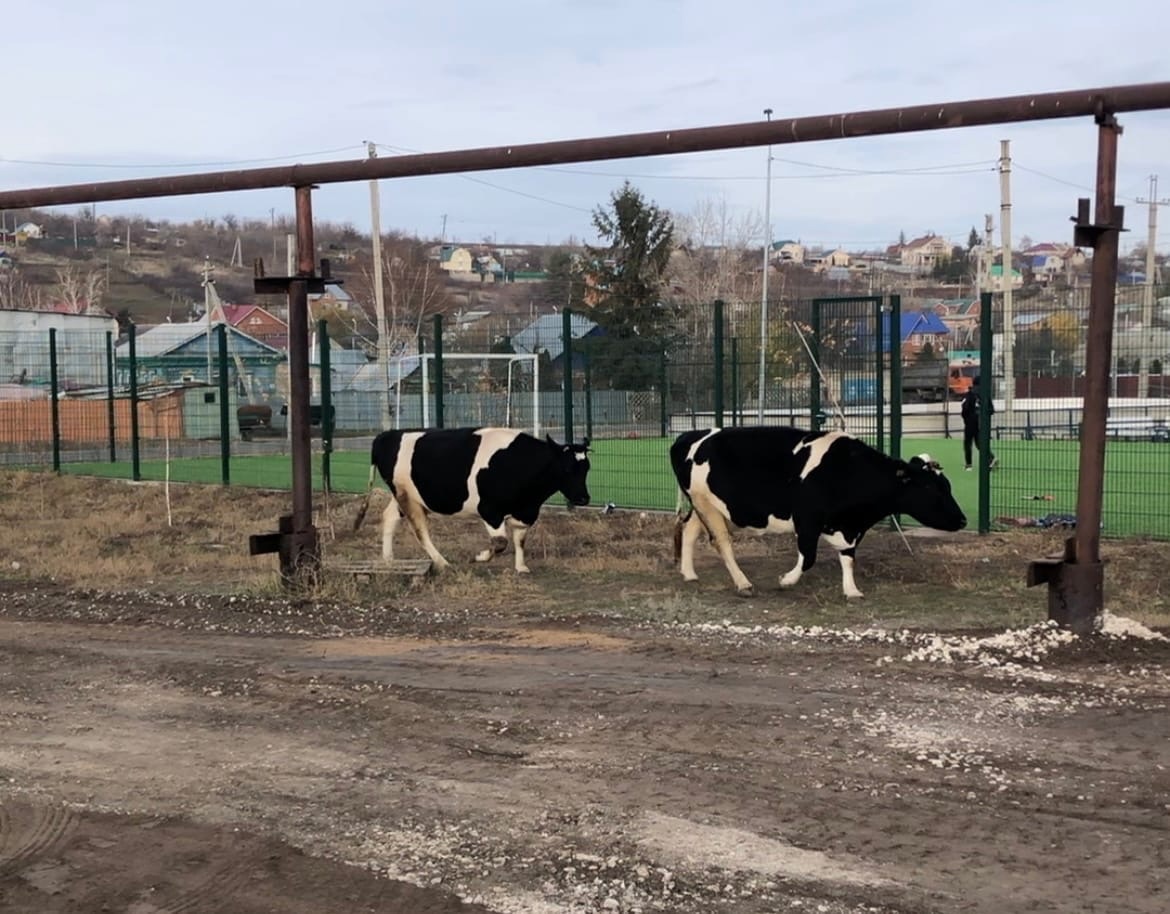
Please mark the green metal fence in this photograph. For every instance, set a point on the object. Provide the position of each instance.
(214, 411)
(1035, 430)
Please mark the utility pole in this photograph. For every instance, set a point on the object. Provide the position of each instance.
(443, 233)
(379, 296)
(272, 216)
(764, 283)
(1005, 234)
(207, 311)
(985, 256)
(1148, 297)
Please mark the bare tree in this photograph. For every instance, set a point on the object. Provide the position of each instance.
(716, 255)
(18, 294)
(413, 288)
(79, 291)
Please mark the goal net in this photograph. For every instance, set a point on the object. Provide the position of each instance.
(504, 390)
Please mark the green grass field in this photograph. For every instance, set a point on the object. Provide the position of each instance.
(1035, 478)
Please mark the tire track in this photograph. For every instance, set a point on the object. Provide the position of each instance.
(218, 885)
(28, 832)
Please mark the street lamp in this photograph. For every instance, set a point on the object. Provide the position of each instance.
(764, 284)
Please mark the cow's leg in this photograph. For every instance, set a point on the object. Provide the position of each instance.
(847, 583)
(497, 531)
(519, 535)
(721, 536)
(807, 534)
(690, 535)
(416, 515)
(390, 518)
(846, 552)
(498, 535)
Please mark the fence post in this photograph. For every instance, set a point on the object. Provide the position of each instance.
(662, 393)
(135, 444)
(879, 313)
(567, 371)
(814, 375)
(735, 380)
(225, 426)
(438, 371)
(326, 406)
(110, 395)
(54, 406)
(717, 335)
(896, 376)
(987, 390)
(588, 396)
(424, 411)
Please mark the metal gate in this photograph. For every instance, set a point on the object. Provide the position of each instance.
(848, 347)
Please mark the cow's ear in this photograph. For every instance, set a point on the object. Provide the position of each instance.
(585, 442)
(917, 462)
(549, 439)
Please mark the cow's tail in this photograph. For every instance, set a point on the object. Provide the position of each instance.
(680, 521)
(361, 515)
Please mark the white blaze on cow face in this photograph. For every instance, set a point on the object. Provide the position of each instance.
(931, 463)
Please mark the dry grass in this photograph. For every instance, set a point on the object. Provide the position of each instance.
(112, 535)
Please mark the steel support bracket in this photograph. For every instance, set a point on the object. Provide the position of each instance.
(279, 285)
(292, 547)
(1086, 233)
(1074, 589)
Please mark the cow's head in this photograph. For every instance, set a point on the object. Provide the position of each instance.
(574, 468)
(925, 494)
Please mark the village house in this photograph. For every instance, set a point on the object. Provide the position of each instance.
(258, 323)
(921, 254)
(455, 259)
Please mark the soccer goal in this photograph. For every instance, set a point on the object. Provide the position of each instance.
(512, 396)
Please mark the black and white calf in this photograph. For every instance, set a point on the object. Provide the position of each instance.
(813, 484)
(501, 475)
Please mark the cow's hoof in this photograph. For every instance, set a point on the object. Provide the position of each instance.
(855, 596)
(694, 580)
(745, 592)
(524, 570)
(485, 556)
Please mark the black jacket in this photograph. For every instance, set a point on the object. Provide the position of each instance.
(970, 407)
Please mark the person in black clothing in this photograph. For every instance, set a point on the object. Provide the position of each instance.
(970, 413)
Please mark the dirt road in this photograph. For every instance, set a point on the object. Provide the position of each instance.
(222, 754)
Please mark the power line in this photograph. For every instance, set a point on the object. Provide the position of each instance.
(959, 168)
(1066, 183)
(499, 187)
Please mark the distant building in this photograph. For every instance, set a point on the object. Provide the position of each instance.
(922, 254)
(455, 259)
(546, 335)
(258, 323)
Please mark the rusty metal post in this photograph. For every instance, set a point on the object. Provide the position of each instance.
(1099, 347)
(304, 558)
(1076, 580)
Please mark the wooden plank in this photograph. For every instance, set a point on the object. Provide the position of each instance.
(408, 567)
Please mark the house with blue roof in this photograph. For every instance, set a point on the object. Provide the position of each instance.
(546, 335)
(178, 353)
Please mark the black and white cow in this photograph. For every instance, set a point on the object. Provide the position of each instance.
(813, 484)
(501, 475)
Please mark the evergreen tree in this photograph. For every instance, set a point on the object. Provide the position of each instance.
(627, 277)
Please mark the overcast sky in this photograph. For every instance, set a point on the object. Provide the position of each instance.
(114, 90)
